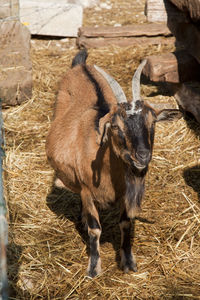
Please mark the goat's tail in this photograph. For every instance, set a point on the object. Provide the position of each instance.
(80, 58)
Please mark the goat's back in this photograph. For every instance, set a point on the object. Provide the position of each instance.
(81, 89)
(72, 140)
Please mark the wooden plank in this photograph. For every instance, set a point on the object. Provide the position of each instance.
(125, 31)
(162, 10)
(172, 67)
(14, 8)
(15, 63)
(3, 221)
(189, 6)
(122, 42)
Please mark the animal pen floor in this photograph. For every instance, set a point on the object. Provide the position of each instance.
(47, 252)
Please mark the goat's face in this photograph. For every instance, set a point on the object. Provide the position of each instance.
(132, 132)
(132, 124)
(132, 135)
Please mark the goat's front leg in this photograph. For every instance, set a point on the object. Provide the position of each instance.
(91, 217)
(128, 262)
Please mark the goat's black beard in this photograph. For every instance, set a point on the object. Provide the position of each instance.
(135, 185)
(134, 171)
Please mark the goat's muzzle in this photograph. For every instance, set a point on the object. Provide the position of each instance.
(140, 162)
(143, 157)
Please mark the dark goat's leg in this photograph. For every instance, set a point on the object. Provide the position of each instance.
(127, 259)
(94, 231)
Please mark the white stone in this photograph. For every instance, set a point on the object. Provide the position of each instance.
(83, 3)
(117, 25)
(97, 8)
(104, 5)
(51, 18)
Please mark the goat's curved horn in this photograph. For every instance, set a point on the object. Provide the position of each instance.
(136, 82)
(116, 88)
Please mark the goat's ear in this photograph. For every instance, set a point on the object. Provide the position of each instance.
(104, 125)
(104, 136)
(168, 115)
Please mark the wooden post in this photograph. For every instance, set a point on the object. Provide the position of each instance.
(3, 224)
(9, 9)
(14, 8)
(160, 10)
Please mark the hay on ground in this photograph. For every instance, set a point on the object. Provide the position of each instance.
(47, 253)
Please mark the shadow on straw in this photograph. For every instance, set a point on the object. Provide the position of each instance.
(14, 253)
(192, 178)
(192, 123)
(65, 203)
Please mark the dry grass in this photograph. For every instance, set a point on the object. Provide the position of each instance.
(47, 253)
(121, 12)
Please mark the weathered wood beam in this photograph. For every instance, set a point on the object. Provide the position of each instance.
(15, 67)
(3, 221)
(9, 9)
(172, 67)
(125, 31)
(138, 34)
(122, 42)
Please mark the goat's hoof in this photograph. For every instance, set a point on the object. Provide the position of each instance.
(94, 270)
(129, 266)
(92, 273)
(128, 262)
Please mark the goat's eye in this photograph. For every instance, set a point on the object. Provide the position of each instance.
(115, 127)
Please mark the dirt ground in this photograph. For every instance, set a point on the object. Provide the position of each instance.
(47, 252)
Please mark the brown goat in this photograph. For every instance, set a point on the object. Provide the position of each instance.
(100, 146)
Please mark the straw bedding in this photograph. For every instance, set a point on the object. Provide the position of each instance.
(47, 252)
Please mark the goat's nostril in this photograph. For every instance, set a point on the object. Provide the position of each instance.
(143, 155)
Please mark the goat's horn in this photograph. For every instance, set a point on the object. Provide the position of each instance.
(116, 88)
(136, 82)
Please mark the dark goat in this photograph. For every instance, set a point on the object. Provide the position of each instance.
(100, 146)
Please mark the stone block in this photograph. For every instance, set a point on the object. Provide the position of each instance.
(85, 3)
(172, 67)
(15, 63)
(51, 18)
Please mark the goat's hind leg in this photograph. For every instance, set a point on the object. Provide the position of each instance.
(128, 262)
(91, 217)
